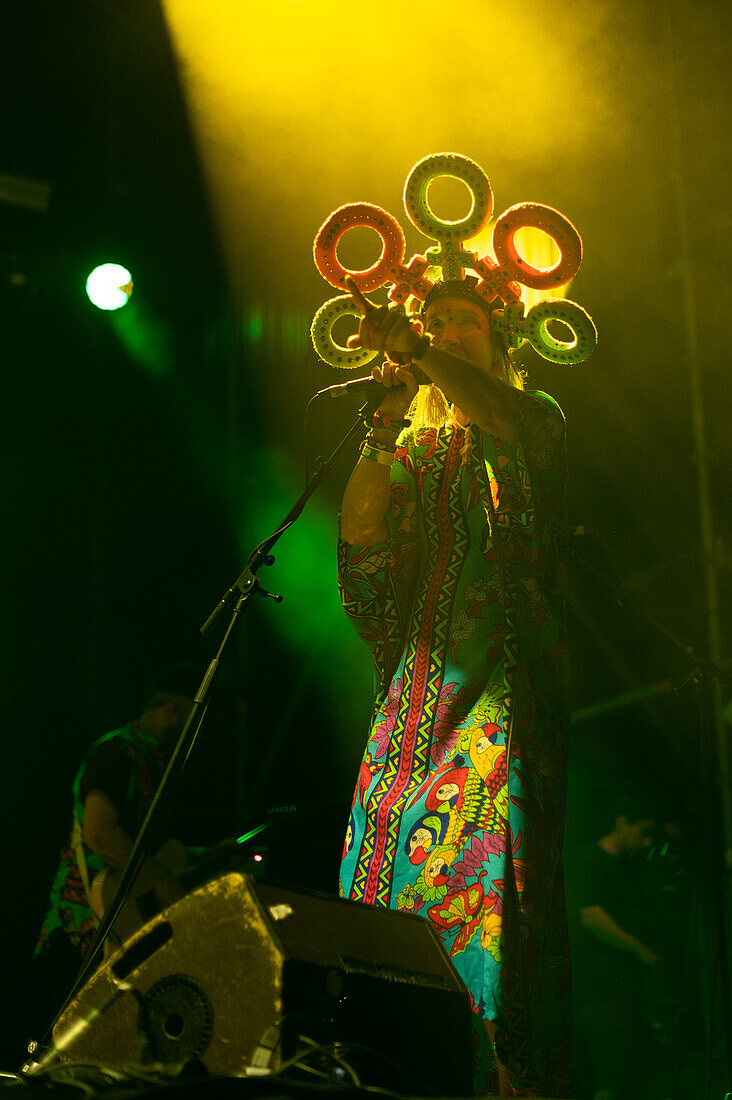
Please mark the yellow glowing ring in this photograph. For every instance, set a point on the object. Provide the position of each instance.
(556, 226)
(352, 216)
(534, 328)
(321, 332)
(418, 208)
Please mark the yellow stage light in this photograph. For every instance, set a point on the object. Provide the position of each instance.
(299, 107)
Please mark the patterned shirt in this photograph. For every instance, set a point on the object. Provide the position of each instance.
(127, 765)
(459, 808)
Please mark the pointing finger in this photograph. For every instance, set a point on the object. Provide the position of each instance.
(363, 303)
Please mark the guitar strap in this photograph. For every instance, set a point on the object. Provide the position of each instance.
(77, 844)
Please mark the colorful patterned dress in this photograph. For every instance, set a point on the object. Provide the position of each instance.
(462, 609)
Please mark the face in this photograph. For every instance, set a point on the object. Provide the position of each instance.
(447, 791)
(635, 836)
(171, 717)
(420, 839)
(462, 328)
(435, 866)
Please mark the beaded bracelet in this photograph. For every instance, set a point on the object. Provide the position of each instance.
(380, 444)
(384, 458)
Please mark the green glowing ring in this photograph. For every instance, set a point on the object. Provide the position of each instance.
(321, 333)
(534, 329)
(461, 168)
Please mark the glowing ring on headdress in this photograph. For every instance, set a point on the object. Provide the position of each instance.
(418, 208)
(321, 333)
(511, 322)
(353, 216)
(574, 317)
(538, 216)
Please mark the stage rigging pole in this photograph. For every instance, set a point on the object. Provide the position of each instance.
(719, 810)
(709, 543)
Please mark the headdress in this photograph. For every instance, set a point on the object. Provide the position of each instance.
(495, 283)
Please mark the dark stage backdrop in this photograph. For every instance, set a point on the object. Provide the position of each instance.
(124, 437)
(145, 452)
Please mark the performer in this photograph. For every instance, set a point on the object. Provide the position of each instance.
(111, 795)
(450, 568)
(615, 971)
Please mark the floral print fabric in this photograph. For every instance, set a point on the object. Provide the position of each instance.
(459, 806)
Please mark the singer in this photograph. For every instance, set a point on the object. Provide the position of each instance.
(450, 568)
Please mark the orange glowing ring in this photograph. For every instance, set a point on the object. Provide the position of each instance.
(534, 329)
(352, 216)
(321, 333)
(556, 226)
(418, 208)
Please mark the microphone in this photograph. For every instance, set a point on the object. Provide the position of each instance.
(368, 385)
(77, 1029)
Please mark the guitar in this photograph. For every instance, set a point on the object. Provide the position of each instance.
(142, 902)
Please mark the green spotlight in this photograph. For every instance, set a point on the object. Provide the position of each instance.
(109, 286)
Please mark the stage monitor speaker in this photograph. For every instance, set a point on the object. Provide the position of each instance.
(245, 975)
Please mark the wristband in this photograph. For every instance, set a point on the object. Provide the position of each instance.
(380, 444)
(384, 458)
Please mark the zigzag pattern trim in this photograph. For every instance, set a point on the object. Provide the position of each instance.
(408, 761)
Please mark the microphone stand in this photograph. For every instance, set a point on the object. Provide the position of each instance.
(234, 599)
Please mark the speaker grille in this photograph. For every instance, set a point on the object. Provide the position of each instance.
(178, 1019)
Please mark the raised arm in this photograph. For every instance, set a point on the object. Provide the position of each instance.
(366, 498)
(481, 395)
